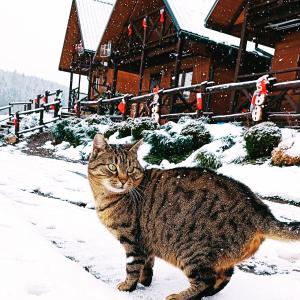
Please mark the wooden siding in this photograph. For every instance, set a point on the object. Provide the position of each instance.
(286, 56)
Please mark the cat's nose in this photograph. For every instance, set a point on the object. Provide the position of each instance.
(123, 180)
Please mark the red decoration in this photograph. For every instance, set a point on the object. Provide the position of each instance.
(15, 122)
(44, 100)
(52, 107)
(36, 101)
(145, 23)
(253, 100)
(129, 30)
(76, 108)
(122, 106)
(199, 101)
(162, 16)
(156, 89)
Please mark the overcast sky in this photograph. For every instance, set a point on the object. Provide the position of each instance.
(31, 37)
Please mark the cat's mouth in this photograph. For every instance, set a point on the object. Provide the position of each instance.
(114, 189)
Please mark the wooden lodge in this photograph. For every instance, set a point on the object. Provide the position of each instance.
(274, 23)
(86, 25)
(164, 43)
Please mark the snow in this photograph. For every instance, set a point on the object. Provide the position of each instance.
(267, 180)
(291, 145)
(191, 18)
(93, 17)
(48, 244)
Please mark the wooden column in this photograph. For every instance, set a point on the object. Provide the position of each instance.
(143, 59)
(79, 84)
(70, 91)
(239, 61)
(115, 76)
(90, 78)
(180, 44)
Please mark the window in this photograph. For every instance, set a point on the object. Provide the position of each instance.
(185, 79)
(155, 80)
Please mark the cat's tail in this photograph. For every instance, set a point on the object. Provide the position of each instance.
(277, 230)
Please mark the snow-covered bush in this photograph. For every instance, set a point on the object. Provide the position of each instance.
(30, 121)
(141, 124)
(206, 159)
(98, 120)
(288, 152)
(131, 127)
(199, 133)
(172, 147)
(261, 139)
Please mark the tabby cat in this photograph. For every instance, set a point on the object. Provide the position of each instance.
(202, 222)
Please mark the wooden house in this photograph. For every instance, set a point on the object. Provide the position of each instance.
(165, 43)
(86, 24)
(274, 23)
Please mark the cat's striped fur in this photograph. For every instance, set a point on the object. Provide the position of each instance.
(195, 219)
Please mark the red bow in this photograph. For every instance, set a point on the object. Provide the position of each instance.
(199, 101)
(162, 15)
(122, 106)
(145, 23)
(129, 30)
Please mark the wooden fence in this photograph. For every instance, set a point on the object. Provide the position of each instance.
(40, 104)
(206, 89)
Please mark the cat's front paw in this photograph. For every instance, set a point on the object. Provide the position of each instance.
(126, 286)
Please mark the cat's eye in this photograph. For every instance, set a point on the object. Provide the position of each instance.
(112, 167)
(130, 169)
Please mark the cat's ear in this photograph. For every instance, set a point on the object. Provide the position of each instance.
(136, 147)
(100, 143)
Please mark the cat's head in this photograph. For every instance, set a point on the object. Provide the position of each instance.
(115, 169)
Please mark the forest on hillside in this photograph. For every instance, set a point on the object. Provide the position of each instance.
(15, 87)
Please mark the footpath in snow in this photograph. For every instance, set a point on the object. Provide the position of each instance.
(53, 249)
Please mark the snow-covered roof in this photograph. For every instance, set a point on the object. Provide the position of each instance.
(190, 16)
(93, 17)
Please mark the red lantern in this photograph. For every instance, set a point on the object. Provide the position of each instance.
(162, 15)
(122, 106)
(52, 107)
(199, 101)
(129, 30)
(145, 23)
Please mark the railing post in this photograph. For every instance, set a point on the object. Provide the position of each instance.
(41, 120)
(56, 109)
(17, 124)
(30, 104)
(78, 109)
(99, 107)
(9, 109)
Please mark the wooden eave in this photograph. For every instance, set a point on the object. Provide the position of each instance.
(73, 35)
(263, 17)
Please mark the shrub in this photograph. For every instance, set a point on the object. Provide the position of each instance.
(175, 148)
(199, 133)
(261, 139)
(111, 130)
(141, 124)
(208, 160)
(98, 120)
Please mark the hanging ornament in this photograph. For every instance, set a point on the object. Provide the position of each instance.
(122, 106)
(44, 100)
(199, 101)
(15, 122)
(162, 15)
(129, 29)
(145, 23)
(52, 107)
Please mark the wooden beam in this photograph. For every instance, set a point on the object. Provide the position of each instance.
(143, 60)
(70, 91)
(115, 76)
(241, 53)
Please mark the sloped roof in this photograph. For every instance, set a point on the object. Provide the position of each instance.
(93, 17)
(190, 17)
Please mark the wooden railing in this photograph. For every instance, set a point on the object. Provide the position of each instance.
(206, 88)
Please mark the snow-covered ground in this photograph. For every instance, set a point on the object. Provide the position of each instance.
(53, 249)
